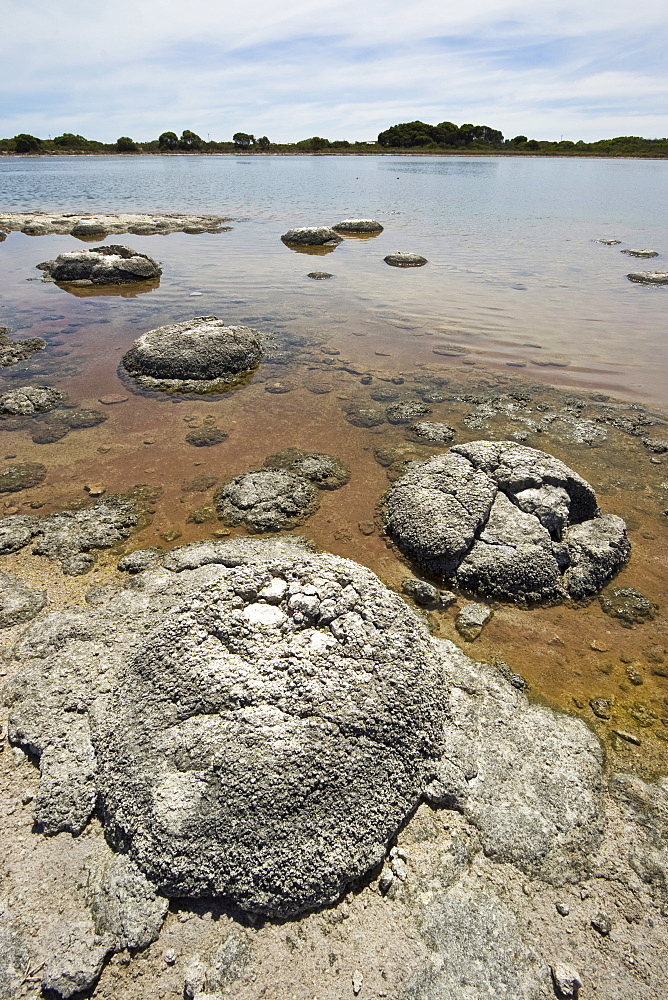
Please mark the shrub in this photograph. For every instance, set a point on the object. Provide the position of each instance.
(126, 145)
(168, 141)
(24, 143)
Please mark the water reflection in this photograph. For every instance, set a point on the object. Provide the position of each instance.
(118, 291)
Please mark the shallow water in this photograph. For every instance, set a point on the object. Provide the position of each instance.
(487, 226)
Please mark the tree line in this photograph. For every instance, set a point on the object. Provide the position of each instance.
(446, 137)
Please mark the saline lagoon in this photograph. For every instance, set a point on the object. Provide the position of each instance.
(517, 298)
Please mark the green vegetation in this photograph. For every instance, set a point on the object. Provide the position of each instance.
(413, 137)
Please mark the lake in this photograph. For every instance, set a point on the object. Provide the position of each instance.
(509, 242)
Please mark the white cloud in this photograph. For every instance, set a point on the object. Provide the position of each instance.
(331, 68)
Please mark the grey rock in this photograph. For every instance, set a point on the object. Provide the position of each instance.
(471, 620)
(608, 243)
(601, 924)
(541, 810)
(206, 437)
(126, 906)
(644, 842)
(601, 707)
(364, 416)
(198, 355)
(18, 603)
(319, 275)
(30, 399)
(566, 981)
(627, 604)
(237, 552)
(267, 500)
(311, 236)
(325, 471)
(505, 521)
(640, 253)
(480, 951)
(405, 411)
(14, 960)
(16, 531)
(400, 259)
(649, 277)
(69, 536)
(422, 592)
(232, 737)
(658, 445)
(358, 226)
(431, 431)
(139, 560)
(22, 476)
(106, 265)
(85, 225)
(77, 966)
(13, 351)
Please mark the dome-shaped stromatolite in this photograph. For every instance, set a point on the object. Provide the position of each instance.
(273, 718)
(199, 355)
(266, 500)
(109, 265)
(358, 226)
(649, 277)
(506, 521)
(311, 236)
(400, 259)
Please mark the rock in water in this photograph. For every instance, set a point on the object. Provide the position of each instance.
(30, 399)
(311, 236)
(23, 476)
(649, 277)
(400, 259)
(325, 471)
(274, 716)
(506, 521)
(267, 500)
(13, 351)
(199, 355)
(640, 253)
(358, 226)
(108, 265)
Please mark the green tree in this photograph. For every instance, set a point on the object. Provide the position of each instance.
(126, 145)
(243, 139)
(190, 141)
(168, 141)
(533, 144)
(316, 142)
(263, 142)
(408, 134)
(518, 139)
(25, 143)
(70, 141)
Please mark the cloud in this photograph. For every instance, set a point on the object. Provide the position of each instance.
(334, 69)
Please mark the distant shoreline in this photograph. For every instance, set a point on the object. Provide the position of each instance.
(511, 154)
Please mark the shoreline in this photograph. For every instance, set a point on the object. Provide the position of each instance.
(511, 154)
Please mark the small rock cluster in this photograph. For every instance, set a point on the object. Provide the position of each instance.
(506, 521)
(13, 351)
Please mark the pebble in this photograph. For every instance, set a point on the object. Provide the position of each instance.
(170, 956)
(385, 881)
(563, 909)
(366, 527)
(95, 490)
(566, 980)
(627, 737)
(358, 982)
(601, 707)
(601, 924)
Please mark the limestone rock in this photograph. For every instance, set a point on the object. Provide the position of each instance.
(431, 432)
(471, 620)
(506, 521)
(199, 355)
(18, 603)
(325, 471)
(22, 476)
(640, 253)
(311, 236)
(267, 500)
(400, 259)
(358, 226)
(86, 226)
(406, 410)
(627, 604)
(127, 907)
(13, 351)
(649, 277)
(30, 399)
(105, 265)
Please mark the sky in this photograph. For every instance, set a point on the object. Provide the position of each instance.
(295, 69)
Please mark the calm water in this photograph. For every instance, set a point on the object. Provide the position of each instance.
(512, 260)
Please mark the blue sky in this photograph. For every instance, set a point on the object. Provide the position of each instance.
(338, 69)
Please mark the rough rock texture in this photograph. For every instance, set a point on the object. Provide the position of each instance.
(406, 410)
(30, 399)
(13, 351)
(255, 729)
(471, 620)
(325, 471)
(640, 253)
(199, 355)
(67, 537)
(400, 259)
(56, 425)
(107, 265)
(358, 226)
(627, 604)
(23, 476)
(431, 431)
(311, 236)
(530, 869)
(506, 521)
(649, 277)
(87, 226)
(267, 500)
(18, 603)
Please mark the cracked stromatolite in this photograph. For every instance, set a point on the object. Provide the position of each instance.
(506, 521)
(255, 727)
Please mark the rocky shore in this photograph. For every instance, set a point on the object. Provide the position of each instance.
(87, 226)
